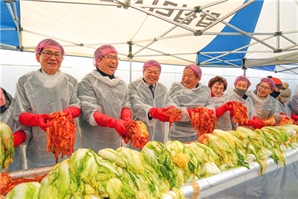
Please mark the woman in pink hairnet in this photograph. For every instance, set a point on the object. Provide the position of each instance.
(105, 102)
(188, 94)
(148, 99)
(41, 92)
(265, 105)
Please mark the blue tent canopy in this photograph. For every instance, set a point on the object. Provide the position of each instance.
(10, 23)
(246, 20)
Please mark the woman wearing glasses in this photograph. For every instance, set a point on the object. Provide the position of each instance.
(105, 102)
(41, 92)
(265, 105)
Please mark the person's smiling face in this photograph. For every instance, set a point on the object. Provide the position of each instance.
(108, 64)
(264, 89)
(189, 78)
(151, 74)
(217, 89)
(50, 60)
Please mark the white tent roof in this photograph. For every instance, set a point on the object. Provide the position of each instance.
(171, 32)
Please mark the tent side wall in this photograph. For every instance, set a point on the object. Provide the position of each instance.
(79, 67)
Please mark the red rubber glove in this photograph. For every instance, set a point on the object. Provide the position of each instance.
(126, 114)
(157, 113)
(211, 111)
(73, 111)
(282, 113)
(294, 117)
(167, 108)
(30, 119)
(107, 121)
(189, 110)
(224, 108)
(257, 118)
(255, 123)
(19, 137)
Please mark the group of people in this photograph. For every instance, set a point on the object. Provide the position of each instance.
(102, 104)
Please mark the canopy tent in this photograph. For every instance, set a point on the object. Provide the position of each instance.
(225, 33)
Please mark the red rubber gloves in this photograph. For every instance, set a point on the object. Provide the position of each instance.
(224, 108)
(19, 137)
(73, 111)
(157, 113)
(282, 113)
(210, 111)
(294, 117)
(167, 108)
(107, 121)
(257, 124)
(126, 114)
(30, 119)
(189, 110)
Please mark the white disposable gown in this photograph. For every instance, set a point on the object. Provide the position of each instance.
(284, 108)
(293, 104)
(142, 101)
(224, 121)
(265, 107)
(39, 93)
(190, 98)
(108, 96)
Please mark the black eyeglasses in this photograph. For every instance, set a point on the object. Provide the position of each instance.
(112, 57)
(48, 54)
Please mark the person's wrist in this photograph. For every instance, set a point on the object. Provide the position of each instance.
(149, 116)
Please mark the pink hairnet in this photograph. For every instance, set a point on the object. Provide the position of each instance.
(103, 51)
(151, 63)
(49, 43)
(270, 82)
(242, 78)
(196, 69)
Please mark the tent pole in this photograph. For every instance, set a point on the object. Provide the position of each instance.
(130, 43)
(243, 67)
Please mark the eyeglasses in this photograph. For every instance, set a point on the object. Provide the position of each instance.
(265, 88)
(157, 72)
(112, 57)
(48, 54)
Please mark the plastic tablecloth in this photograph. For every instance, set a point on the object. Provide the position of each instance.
(242, 183)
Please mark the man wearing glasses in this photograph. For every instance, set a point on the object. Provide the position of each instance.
(105, 102)
(40, 93)
(149, 98)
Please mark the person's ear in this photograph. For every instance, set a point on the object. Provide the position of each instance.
(37, 56)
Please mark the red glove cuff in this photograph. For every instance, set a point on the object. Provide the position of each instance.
(221, 110)
(282, 113)
(73, 111)
(19, 137)
(157, 113)
(126, 114)
(293, 116)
